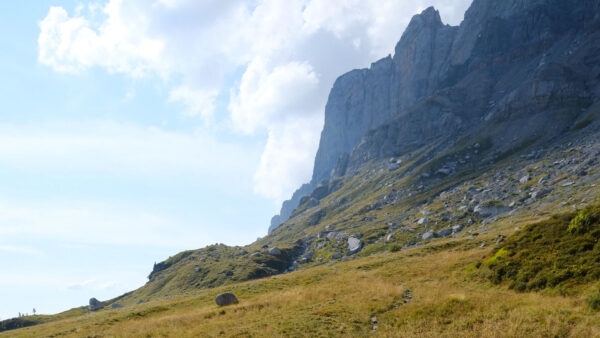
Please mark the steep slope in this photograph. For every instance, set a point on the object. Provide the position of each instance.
(512, 71)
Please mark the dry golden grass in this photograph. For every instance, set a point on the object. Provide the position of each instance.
(448, 300)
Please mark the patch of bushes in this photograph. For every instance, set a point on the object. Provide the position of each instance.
(556, 253)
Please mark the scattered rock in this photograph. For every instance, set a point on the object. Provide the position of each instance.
(428, 235)
(490, 211)
(336, 255)
(444, 233)
(541, 193)
(116, 306)
(95, 305)
(274, 251)
(423, 220)
(197, 269)
(457, 228)
(524, 179)
(354, 245)
(140, 301)
(394, 166)
(225, 299)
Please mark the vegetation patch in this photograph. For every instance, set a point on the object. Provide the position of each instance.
(560, 252)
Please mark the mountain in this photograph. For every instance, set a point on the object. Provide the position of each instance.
(455, 192)
(511, 72)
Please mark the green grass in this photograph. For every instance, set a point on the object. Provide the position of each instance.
(558, 253)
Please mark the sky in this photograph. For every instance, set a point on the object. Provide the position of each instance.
(131, 130)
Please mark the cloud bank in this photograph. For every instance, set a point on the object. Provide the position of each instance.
(272, 62)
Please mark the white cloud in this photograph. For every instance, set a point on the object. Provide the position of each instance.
(197, 102)
(120, 149)
(286, 153)
(269, 97)
(289, 54)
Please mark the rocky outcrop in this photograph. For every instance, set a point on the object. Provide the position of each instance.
(95, 305)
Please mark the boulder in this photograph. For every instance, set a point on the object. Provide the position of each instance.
(457, 228)
(423, 220)
(444, 233)
(524, 179)
(394, 166)
(541, 193)
(274, 251)
(490, 211)
(225, 299)
(95, 305)
(116, 306)
(336, 255)
(428, 235)
(354, 245)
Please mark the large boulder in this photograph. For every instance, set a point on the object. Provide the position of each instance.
(274, 251)
(95, 305)
(354, 245)
(225, 299)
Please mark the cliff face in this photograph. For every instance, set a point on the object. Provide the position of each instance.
(513, 70)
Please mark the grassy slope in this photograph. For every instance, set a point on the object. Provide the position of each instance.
(450, 296)
(447, 298)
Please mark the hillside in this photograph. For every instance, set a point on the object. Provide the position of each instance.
(455, 193)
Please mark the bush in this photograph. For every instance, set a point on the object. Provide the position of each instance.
(559, 253)
(584, 220)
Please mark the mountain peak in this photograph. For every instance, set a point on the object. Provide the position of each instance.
(428, 17)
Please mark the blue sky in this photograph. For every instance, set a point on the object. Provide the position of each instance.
(132, 130)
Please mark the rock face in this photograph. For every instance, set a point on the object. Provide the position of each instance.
(225, 299)
(512, 74)
(95, 305)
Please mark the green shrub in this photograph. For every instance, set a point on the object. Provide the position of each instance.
(555, 253)
(394, 248)
(585, 220)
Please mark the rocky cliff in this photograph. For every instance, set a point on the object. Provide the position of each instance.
(513, 71)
